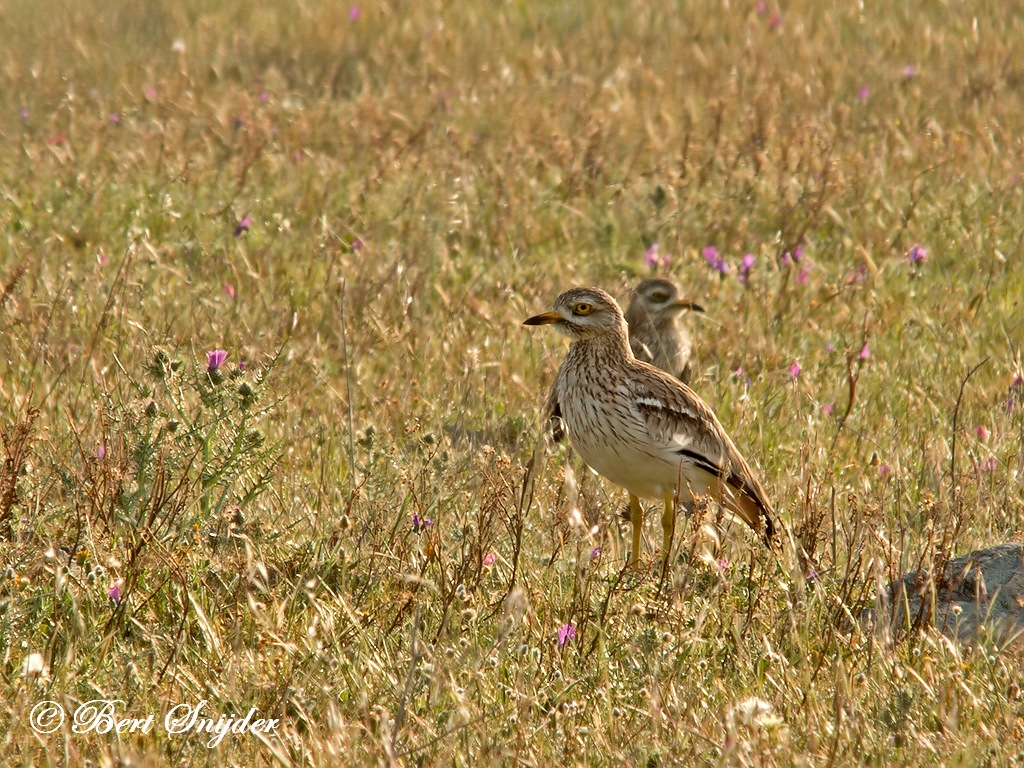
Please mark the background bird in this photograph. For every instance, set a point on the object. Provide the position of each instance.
(641, 428)
(655, 335)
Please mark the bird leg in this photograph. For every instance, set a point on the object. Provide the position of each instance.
(637, 515)
(668, 522)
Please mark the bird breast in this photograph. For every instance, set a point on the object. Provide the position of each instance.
(606, 428)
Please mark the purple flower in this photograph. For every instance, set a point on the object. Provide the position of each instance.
(762, 8)
(715, 259)
(865, 352)
(229, 291)
(596, 553)
(566, 632)
(215, 359)
(863, 93)
(738, 372)
(884, 470)
(917, 255)
(150, 93)
(101, 451)
(653, 257)
(989, 465)
(909, 71)
(723, 564)
(776, 21)
(115, 118)
(982, 433)
(354, 13)
(746, 264)
(264, 97)
(356, 244)
(24, 113)
(828, 408)
(489, 558)
(243, 226)
(830, 347)
(794, 370)
(794, 257)
(420, 523)
(114, 593)
(803, 276)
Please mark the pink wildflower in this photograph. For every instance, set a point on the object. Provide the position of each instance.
(566, 632)
(215, 359)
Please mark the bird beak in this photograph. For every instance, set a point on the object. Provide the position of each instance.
(546, 318)
(690, 305)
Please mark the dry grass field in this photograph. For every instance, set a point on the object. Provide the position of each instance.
(338, 523)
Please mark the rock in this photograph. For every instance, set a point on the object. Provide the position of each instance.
(984, 587)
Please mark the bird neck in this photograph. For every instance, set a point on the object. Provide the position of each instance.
(644, 324)
(604, 347)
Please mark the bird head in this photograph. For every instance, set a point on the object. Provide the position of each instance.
(660, 298)
(582, 313)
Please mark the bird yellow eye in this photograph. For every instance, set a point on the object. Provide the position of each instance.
(659, 296)
(582, 308)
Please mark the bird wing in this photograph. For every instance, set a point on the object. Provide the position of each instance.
(554, 427)
(683, 425)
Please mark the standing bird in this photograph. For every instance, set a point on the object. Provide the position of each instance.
(655, 335)
(641, 428)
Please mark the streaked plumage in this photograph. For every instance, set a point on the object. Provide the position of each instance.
(655, 336)
(641, 428)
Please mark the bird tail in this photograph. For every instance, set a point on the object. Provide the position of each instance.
(750, 509)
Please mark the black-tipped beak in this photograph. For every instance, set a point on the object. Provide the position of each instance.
(689, 305)
(546, 318)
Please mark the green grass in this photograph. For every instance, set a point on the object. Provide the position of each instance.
(437, 173)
